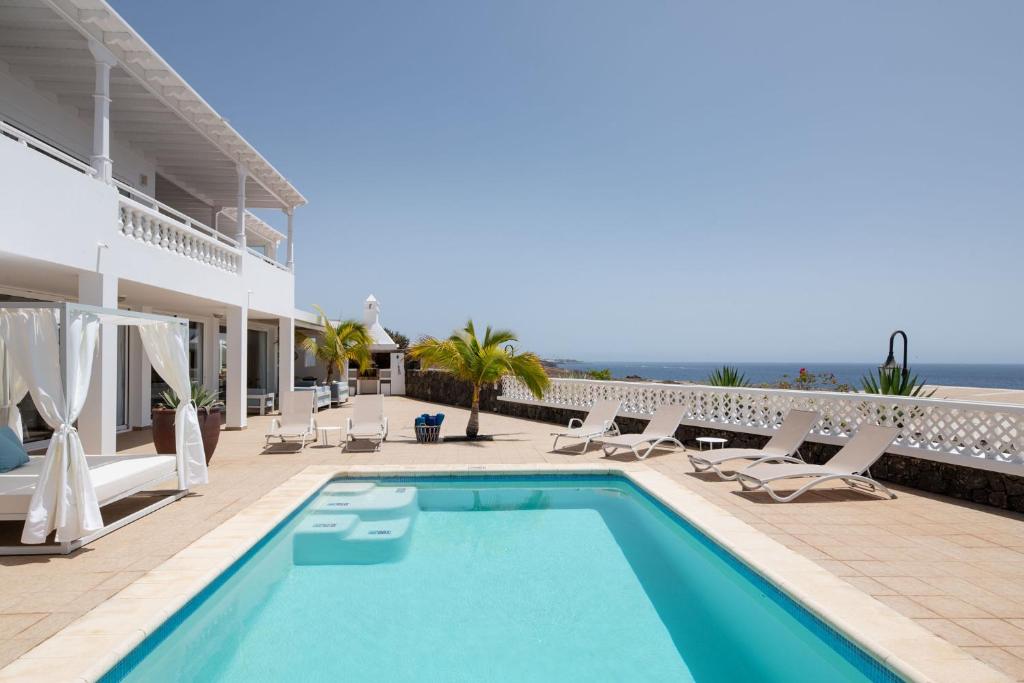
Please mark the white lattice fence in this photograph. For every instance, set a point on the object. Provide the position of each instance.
(973, 434)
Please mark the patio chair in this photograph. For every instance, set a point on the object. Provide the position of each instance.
(783, 444)
(850, 465)
(600, 422)
(367, 422)
(296, 420)
(661, 429)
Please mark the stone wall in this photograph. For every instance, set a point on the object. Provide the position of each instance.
(999, 490)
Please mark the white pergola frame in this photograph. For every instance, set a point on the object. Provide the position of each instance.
(164, 498)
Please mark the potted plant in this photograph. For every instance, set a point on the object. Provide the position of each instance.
(209, 409)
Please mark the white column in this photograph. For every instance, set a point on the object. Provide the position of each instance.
(286, 355)
(238, 344)
(101, 112)
(211, 354)
(98, 422)
(290, 211)
(140, 380)
(243, 173)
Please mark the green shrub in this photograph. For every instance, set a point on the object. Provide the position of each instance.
(727, 376)
(894, 382)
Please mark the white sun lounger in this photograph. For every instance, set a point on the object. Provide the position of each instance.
(783, 444)
(661, 429)
(367, 422)
(851, 465)
(600, 422)
(296, 420)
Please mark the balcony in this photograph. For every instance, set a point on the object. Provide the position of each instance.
(145, 219)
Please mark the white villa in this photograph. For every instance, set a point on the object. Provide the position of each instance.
(123, 189)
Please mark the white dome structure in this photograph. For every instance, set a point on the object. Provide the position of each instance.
(382, 341)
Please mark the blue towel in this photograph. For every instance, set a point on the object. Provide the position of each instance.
(429, 420)
(438, 419)
(421, 420)
(12, 453)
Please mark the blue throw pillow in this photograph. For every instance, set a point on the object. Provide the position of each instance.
(12, 453)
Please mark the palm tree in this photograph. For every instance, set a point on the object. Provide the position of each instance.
(338, 344)
(481, 362)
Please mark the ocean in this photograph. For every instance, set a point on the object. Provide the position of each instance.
(1001, 376)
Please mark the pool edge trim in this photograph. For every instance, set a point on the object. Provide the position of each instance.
(119, 624)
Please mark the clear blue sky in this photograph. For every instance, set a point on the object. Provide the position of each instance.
(641, 180)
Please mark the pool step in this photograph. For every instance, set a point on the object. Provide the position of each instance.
(356, 523)
(379, 502)
(453, 500)
(341, 488)
(344, 539)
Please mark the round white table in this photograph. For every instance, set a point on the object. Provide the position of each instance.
(711, 442)
(324, 437)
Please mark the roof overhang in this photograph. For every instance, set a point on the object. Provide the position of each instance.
(152, 108)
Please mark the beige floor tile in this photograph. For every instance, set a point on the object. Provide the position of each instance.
(1000, 658)
(996, 631)
(950, 607)
(954, 633)
(908, 607)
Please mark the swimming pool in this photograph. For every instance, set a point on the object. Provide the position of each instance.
(492, 578)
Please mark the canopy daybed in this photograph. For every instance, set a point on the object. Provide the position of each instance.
(48, 352)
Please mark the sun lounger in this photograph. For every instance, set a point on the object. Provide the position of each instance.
(368, 422)
(850, 465)
(783, 444)
(661, 429)
(600, 421)
(296, 420)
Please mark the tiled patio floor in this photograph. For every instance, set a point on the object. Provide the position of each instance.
(955, 568)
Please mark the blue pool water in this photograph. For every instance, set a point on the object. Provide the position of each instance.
(497, 579)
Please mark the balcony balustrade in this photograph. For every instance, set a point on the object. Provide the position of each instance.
(147, 220)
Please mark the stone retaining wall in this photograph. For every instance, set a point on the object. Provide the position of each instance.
(978, 486)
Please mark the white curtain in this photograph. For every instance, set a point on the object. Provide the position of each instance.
(167, 347)
(64, 498)
(11, 396)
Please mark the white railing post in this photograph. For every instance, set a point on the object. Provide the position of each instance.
(101, 112)
(290, 211)
(243, 174)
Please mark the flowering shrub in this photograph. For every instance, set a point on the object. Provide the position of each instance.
(810, 381)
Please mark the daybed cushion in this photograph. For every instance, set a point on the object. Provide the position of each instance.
(12, 452)
(112, 476)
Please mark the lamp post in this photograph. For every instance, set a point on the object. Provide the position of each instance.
(890, 360)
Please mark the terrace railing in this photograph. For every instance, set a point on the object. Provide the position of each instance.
(147, 220)
(46, 149)
(972, 434)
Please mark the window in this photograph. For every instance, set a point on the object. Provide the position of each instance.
(195, 352)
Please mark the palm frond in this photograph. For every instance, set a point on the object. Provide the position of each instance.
(465, 356)
(340, 343)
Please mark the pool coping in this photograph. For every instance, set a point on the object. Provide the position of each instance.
(116, 626)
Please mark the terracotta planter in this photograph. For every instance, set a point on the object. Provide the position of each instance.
(163, 430)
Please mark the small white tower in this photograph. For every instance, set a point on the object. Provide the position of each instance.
(392, 378)
(371, 312)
